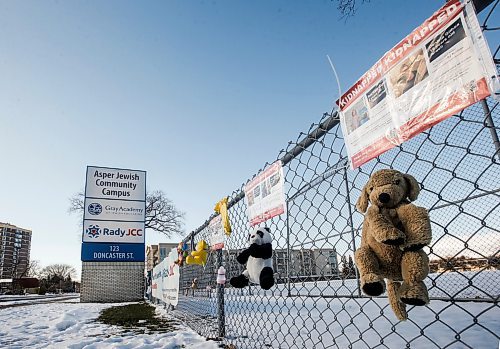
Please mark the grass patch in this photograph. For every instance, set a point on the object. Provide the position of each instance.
(137, 316)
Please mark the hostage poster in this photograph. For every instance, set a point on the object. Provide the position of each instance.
(441, 68)
(265, 197)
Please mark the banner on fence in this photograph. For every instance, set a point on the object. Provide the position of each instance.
(216, 233)
(264, 195)
(441, 68)
(165, 282)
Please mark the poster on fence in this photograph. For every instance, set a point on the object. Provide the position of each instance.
(154, 282)
(265, 197)
(170, 283)
(216, 233)
(441, 68)
(165, 282)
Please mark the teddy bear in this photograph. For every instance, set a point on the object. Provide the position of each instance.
(259, 259)
(394, 233)
(182, 252)
(199, 256)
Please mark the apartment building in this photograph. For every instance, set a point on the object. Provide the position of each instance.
(156, 253)
(15, 247)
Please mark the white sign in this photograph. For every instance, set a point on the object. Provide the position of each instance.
(165, 279)
(119, 184)
(110, 231)
(156, 282)
(108, 210)
(170, 282)
(216, 233)
(264, 195)
(441, 68)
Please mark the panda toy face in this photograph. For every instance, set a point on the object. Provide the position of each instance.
(260, 236)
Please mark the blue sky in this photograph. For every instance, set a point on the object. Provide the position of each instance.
(200, 94)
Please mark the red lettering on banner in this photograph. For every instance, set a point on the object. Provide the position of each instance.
(441, 18)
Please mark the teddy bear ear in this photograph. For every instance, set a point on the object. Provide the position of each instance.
(362, 203)
(413, 187)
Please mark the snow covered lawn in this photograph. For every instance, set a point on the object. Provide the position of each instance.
(72, 324)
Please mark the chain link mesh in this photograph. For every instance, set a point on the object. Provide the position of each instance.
(317, 302)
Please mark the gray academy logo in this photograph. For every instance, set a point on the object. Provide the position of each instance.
(95, 209)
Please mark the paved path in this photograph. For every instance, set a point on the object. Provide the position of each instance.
(10, 302)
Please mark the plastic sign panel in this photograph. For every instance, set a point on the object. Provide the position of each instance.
(113, 183)
(441, 68)
(216, 233)
(111, 231)
(165, 280)
(113, 252)
(109, 210)
(264, 195)
(114, 214)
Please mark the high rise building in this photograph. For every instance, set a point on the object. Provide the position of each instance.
(15, 246)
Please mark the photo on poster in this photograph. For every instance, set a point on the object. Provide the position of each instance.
(274, 179)
(376, 94)
(356, 116)
(250, 198)
(256, 192)
(408, 73)
(265, 188)
(446, 40)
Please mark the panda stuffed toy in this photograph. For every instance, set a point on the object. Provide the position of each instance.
(259, 260)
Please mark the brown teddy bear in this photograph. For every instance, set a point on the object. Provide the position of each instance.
(394, 232)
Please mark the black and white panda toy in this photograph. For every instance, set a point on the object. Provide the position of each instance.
(259, 260)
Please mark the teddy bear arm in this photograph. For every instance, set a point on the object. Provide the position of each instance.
(261, 251)
(417, 226)
(242, 258)
(382, 229)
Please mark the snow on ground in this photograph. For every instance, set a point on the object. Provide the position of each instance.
(325, 322)
(72, 324)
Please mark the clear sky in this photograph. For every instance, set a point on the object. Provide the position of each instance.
(200, 94)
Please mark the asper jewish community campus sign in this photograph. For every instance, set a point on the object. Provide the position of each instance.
(113, 221)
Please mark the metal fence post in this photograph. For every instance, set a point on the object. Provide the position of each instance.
(288, 258)
(221, 317)
(351, 224)
(491, 126)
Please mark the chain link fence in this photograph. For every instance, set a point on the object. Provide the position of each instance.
(317, 302)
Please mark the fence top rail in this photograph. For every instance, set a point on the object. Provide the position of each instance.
(322, 129)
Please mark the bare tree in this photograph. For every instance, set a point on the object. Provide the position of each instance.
(63, 271)
(347, 8)
(33, 269)
(161, 214)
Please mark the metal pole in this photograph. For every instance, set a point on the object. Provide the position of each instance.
(351, 224)
(221, 320)
(489, 123)
(288, 258)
